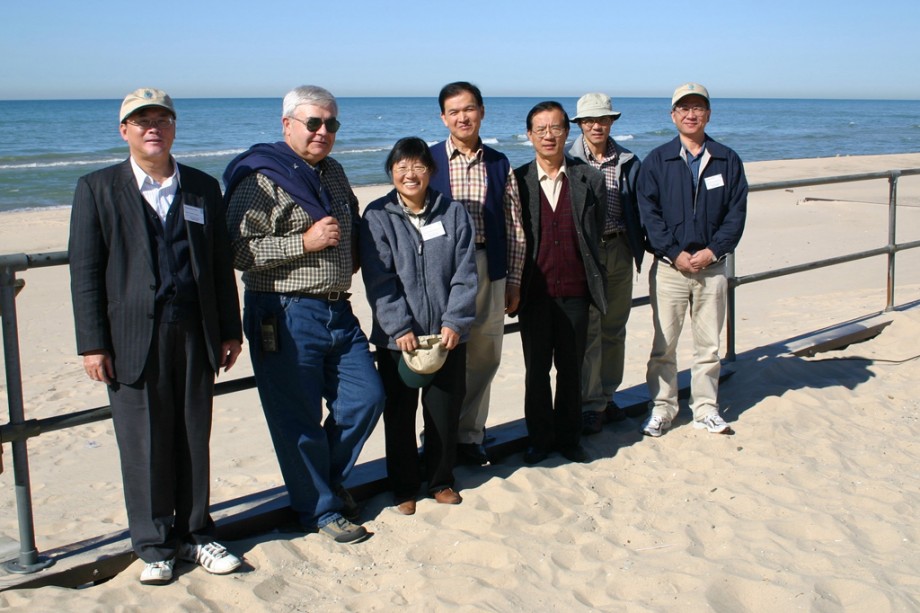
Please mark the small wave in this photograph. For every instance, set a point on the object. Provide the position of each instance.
(350, 151)
(27, 209)
(112, 160)
(208, 154)
(33, 165)
(490, 141)
(623, 137)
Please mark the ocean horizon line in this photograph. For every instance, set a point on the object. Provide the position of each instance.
(486, 97)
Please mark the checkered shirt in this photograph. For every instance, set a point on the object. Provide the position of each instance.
(468, 181)
(608, 165)
(266, 230)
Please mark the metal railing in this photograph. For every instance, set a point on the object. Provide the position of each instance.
(890, 248)
(19, 430)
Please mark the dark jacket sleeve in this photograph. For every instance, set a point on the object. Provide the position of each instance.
(228, 300)
(88, 255)
(728, 234)
(635, 234)
(649, 193)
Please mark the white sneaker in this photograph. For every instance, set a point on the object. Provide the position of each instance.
(714, 423)
(213, 557)
(655, 426)
(157, 573)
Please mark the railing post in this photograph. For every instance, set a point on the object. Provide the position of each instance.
(892, 234)
(29, 560)
(730, 355)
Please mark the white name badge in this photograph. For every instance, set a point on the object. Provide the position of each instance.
(433, 230)
(714, 181)
(193, 214)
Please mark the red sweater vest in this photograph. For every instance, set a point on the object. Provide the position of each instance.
(560, 268)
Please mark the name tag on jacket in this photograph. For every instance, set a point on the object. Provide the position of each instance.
(714, 181)
(193, 214)
(432, 231)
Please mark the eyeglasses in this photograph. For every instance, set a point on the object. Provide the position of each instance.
(684, 109)
(590, 121)
(313, 123)
(160, 123)
(403, 169)
(541, 131)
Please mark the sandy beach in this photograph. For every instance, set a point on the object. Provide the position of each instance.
(811, 506)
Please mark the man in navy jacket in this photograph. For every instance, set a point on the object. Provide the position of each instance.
(693, 201)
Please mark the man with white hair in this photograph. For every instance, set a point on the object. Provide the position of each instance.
(293, 221)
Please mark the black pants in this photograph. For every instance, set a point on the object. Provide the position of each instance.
(553, 332)
(441, 401)
(163, 427)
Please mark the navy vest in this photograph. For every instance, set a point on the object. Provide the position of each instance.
(497, 169)
(177, 292)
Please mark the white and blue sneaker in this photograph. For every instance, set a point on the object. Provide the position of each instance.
(714, 423)
(655, 426)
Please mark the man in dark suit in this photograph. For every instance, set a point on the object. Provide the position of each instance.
(563, 206)
(157, 315)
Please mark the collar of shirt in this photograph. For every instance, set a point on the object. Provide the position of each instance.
(694, 163)
(610, 151)
(453, 151)
(159, 196)
(689, 157)
(551, 186)
(416, 219)
(141, 177)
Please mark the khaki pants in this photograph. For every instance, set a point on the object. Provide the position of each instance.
(671, 293)
(602, 372)
(483, 353)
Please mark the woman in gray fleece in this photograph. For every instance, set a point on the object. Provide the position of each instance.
(419, 268)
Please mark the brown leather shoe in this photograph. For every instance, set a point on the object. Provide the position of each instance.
(448, 496)
(406, 507)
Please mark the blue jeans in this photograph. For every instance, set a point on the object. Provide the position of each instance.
(320, 353)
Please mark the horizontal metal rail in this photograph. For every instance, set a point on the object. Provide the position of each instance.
(19, 430)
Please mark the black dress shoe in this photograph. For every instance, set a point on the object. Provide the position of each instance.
(472, 453)
(592, 422)
(613, 413)
(535, 455)
(576, 453)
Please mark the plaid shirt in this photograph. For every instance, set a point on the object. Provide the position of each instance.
(608, 165)
(266, 230)
(468, 183)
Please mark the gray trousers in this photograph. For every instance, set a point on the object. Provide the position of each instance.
(163, 426)
(606, 350)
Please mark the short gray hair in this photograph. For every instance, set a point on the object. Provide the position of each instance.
(308, 94)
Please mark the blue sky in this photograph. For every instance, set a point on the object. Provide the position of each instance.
(229, 48)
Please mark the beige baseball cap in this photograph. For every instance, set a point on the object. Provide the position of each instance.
(417, 368)
(144, 97)
(595, 105)
(689, 89)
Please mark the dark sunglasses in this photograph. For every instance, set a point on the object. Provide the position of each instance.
(313, 124)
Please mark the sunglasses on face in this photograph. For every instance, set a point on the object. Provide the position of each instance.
(313, 124)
